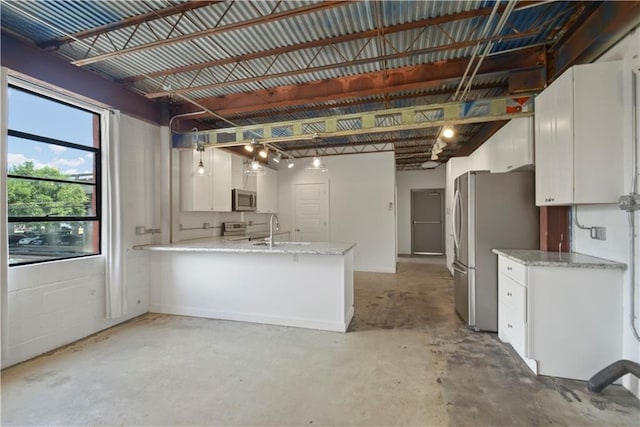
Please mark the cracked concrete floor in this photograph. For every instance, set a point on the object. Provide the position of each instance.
(406, 360)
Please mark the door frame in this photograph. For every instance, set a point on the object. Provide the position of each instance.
(323, 181)
(442, 240)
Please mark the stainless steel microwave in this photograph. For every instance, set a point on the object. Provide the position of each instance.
(243, 200)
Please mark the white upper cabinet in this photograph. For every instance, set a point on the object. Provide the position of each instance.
(268, 192)
(221, 183)
(210, 191)
(579, 137)
(512, 146)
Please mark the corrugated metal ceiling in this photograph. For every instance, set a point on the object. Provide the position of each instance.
(45, 21)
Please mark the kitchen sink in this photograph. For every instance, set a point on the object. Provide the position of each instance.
(282, 243)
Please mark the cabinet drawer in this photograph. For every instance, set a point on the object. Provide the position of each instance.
(512, 269)
(513, 295)
(514, 329)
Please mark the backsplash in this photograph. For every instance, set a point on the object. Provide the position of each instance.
(191, 224)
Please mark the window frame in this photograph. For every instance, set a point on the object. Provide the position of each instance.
(100, 113)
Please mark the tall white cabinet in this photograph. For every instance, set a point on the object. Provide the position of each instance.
(579, 137)
(210, 191)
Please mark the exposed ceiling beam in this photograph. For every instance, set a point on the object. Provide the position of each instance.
(315, 7)
(324, 42)
(134, 20)
(356, 102)
(401, 144)
(400, 79)
(599, 32)
(352, 63)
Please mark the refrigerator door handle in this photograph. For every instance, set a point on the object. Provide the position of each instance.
(456, 199)
(459, 270)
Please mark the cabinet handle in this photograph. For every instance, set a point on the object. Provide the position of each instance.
(509, 294)
(508, 268)
(509, 325)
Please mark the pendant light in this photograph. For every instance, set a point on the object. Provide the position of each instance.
(254, 168)
(200, 164)
(199, 148)
(317, 165)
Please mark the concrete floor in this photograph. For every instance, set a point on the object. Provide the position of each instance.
(406, 360)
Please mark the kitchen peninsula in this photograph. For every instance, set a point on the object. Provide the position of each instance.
(302, 284)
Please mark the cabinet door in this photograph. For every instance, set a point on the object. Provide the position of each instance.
(195, 189)
(521, 134)
(554, 143)
(268, 191)
(221, 180)
(599, 133)
(544, 124)
(500, 152)
(562, 172)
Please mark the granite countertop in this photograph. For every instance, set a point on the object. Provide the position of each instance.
(558, 259)
(225, 246)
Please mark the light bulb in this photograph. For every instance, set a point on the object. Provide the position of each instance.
(255, 165)
(263, 153)
(316, 162)
(447, 132)
(200, 168)
(249, 148)
(290, 164)
(277, 158)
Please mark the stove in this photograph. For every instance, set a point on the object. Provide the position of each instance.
(234, 228)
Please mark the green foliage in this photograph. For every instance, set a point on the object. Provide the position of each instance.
(41, 198)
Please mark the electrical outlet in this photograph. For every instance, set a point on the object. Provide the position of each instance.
(599, 233)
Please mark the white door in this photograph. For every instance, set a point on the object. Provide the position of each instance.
(311, 212)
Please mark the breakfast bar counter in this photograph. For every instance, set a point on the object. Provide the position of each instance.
(301, 284)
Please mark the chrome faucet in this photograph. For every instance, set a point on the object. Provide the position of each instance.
(273, 216)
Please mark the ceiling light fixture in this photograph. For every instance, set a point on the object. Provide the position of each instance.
(290, 164)
(277, 158)
(429, 164)
(254, 168)
(249, 147)
(264, 152)
(200, 164)
(199, 148)
(434, 156)
(448, 132)
(317, 165)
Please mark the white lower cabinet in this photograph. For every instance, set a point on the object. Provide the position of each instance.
(562, 321)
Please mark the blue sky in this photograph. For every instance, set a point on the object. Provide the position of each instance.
(33, 114)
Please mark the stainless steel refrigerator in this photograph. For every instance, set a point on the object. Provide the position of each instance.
(490, 210)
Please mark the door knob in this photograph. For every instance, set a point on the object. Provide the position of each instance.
(297, 229)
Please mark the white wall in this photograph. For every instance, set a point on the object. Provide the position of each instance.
(405, 182)
(54, 303)
(361, 187)
(616, 246)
